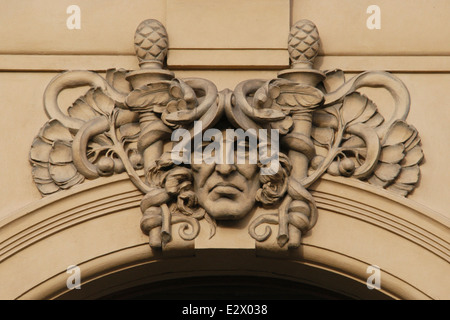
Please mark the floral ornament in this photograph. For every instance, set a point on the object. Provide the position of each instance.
(51, 158)
(55, 152)
(123, 129)
(124, 120)
(347, 140)
(345, 130)
(401, 154)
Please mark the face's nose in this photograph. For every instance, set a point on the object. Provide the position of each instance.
(225, 169)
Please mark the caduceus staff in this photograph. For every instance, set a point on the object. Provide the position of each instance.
(163, 104)
(288, 103)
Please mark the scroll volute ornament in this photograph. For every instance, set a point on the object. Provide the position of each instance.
(125, 123)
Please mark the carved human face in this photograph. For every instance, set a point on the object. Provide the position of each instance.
(226, 191)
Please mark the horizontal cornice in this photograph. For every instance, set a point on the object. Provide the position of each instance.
(224, 60)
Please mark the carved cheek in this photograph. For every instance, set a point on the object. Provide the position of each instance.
(251, 174)
(201, 174)
(249, 171)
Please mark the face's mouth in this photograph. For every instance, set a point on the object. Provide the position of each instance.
(225, 187)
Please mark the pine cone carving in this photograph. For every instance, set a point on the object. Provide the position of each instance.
(151, 41)
(304, 42)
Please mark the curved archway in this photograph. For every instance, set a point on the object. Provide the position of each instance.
(95, 226)
(226, 288)
(231, 270)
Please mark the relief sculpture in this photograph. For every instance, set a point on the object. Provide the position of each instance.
(178, 140)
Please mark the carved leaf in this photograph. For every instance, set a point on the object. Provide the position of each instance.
(77, 179)
(396, 166)
(334, 79)
(116, 79)
(294, 95)
(81, 110)
(378, 182)
(399, 132)
(376, 120)
(401, 189)
(93, 104)
(322, 118)
(61, 152)
(409, 175)
(413, 141)
(354, 142)
(102, 102)
(324, 136)
(353, 106)
(97, 100)
(51, 157)
(397, 156)
(369, 111)
(146, 97)
(413, 156)
(333, 110)
(54, 130)
(40, 150)
(41, 175)
(130, 129)
(62, 173)
(387, 171)
(47, 188)
(392, 154)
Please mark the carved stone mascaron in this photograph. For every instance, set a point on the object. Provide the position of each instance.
(125, 121)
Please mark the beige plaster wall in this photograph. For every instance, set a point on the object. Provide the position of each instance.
(36, 45)
(39, 27)
(413, 27)
(416, 27)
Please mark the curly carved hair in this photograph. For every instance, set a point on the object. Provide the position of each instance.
(177, 181)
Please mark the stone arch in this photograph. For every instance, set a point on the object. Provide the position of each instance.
(94, 227)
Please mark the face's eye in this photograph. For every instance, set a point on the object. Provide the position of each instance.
(245, 152)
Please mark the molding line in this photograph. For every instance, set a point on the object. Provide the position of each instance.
(32, 226)
(399, 64)
(223, 60)
(431, 237)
